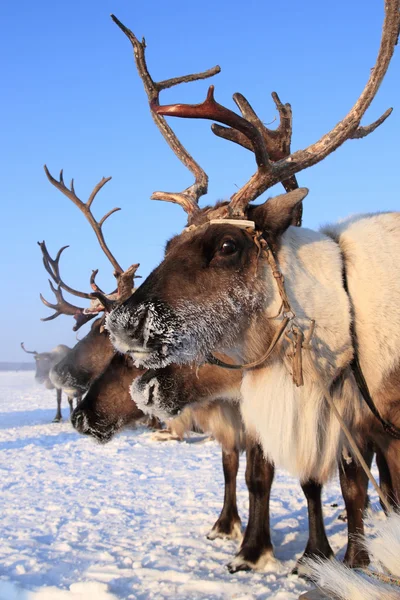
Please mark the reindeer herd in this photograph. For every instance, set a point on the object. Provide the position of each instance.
(249, 324)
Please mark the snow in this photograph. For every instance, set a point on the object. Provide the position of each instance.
(128, 520)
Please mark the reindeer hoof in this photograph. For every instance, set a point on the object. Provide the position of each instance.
(235, 567)
(164, 435)
(302, 569)
(57, 420)
(226, 533)
(265, 562)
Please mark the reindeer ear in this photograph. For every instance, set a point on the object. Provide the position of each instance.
(276, 214)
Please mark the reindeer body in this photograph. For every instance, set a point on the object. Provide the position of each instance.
(45, 362)
(300, 433)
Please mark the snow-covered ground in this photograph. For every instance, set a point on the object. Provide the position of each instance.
(128, 520)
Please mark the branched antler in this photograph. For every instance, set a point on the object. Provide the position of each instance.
(85, 208)
(189, 197)
(53, 268)
(104, 302)
(277, 141)
(62, 307)
(52, 265)
(249, 125)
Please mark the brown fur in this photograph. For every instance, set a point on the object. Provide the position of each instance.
(221, 418)
(108, 407)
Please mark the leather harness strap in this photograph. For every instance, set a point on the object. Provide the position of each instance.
(363, 387)
(213, 360)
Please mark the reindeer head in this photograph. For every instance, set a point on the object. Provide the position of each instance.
(108, 406)
(213, 282)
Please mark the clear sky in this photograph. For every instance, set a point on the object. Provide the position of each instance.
(70, 97)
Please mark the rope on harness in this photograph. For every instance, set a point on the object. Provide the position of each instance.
(363, 387)
(350, 439)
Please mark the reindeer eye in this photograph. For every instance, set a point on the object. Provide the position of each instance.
(228, 247)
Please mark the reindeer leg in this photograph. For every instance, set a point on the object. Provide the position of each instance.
(256, 550)
(391, 456)
(317, 544)
(228, 524)
(58, 416)
(354, 484)
(71, 405)
(385, 479)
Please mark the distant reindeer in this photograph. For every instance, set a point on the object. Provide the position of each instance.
(45, 361)
(301, 311)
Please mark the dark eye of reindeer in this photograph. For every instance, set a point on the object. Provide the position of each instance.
(228, 247)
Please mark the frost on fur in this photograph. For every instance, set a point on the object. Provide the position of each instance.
(347, 584)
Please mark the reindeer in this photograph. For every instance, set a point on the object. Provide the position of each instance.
(298, 309)
(45, 362)
(210, 401)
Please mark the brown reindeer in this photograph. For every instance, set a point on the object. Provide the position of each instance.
(108, 407)
(296, 308)
(44, 362)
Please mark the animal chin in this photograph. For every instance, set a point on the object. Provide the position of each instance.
(150, 359)
(139, 355)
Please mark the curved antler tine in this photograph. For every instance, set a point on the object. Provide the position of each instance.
(27, 351)
(93, 283)
(53, 268)
(51, 317)
(184, 199)
(47, 303)
(61, 250)
(61, 307)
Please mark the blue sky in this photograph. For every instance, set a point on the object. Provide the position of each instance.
(71, 98)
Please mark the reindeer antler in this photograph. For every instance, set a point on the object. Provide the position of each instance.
(27, 351)
(85, 208)
(52, 265)
(62, 307)
(53, 268)
(276, 141)
(249, 125)
(82, 315)
(189, 197)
